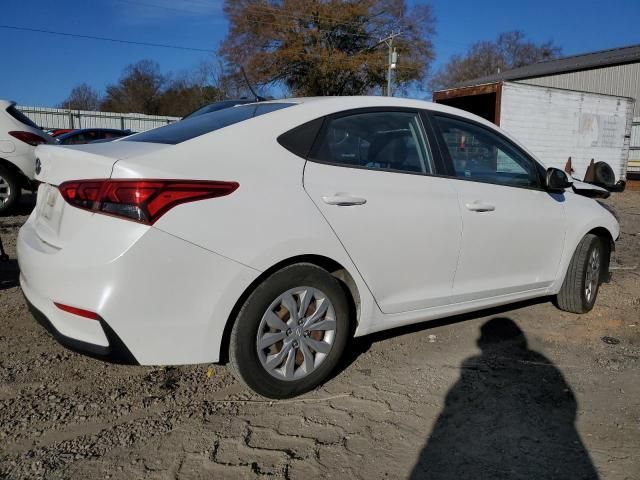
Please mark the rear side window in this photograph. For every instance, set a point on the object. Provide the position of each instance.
(194, 127)
(391, 140)
(21, 117)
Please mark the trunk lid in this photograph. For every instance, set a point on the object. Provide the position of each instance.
(82, 162)
(55, 220)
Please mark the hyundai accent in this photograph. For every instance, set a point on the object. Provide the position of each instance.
(269, 234)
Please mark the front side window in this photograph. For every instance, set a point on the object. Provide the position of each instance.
(376, 140)
(479, 154)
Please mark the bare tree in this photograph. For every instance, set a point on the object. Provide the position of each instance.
(82, 97)
(137, 91)
(509, 50)
(185, 94)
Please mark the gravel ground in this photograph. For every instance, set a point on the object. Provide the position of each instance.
(524, 391)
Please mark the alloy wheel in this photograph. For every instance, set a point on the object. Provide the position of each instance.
(5, 191)
(296, 333)
(592, 275)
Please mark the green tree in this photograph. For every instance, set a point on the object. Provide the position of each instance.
(327, 47)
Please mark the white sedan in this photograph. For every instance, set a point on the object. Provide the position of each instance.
(268, 234)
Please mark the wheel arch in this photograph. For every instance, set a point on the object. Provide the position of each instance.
(607, 238)
(345, 279)
(13, 168)
(606, 235)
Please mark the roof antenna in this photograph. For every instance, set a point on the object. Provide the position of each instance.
(257, 97)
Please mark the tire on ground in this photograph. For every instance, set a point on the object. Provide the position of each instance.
(243, 355)
(9, 183)
(572, 296)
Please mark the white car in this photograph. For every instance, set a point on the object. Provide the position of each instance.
(271, 233)
(19, 137)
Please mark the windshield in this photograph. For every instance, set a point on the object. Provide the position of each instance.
(196, 126)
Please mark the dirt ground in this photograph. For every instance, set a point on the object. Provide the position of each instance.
(525, 391)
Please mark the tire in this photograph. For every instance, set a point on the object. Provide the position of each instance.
(274, 371)
(10, 190)
(603, 174)
(580, 287)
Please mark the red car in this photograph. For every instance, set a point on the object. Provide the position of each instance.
(60, 131)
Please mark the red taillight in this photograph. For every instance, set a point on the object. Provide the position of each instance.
(143, 201)
(77, 311)
(28, 137)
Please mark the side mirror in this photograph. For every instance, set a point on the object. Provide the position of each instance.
(556, 180)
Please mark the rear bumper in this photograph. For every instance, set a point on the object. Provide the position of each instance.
(116, 351)
(160, 300)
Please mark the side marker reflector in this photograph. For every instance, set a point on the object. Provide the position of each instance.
(77, 311)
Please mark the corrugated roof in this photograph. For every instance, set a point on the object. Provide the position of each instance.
(574, 63)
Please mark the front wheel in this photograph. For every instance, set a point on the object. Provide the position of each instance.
(291, 331)
(584, 275)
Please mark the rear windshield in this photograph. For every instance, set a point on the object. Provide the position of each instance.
(21, 117)
(194, 127)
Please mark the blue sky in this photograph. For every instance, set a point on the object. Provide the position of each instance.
(41, 69)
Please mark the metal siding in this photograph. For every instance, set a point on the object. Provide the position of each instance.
(558, 124)
(621, 80)
(48, 118)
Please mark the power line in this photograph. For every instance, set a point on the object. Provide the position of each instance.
(105, 39)
(153, 5)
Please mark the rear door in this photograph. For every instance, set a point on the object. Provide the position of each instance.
(371, 176)
(513, 230)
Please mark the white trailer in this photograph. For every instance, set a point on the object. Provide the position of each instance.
(553, 123)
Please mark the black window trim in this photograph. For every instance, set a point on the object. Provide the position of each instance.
(438, 162)
(282, 138)
(444, 151)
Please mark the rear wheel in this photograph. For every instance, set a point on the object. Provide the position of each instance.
(290, 332)
(584, 275)
(9, 190)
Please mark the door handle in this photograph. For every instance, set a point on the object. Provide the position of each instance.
(343, 200)
(479, 206)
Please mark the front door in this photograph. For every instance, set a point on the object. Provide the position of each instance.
(370, 176)
(513, 230)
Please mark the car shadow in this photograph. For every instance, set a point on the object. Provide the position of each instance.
(9, 274)
(511, 414)
(360, 345)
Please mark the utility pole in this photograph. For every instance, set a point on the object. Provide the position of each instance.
(393, 58)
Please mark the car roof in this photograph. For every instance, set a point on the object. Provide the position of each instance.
(349, 102)
(309, 108)
(353, 102)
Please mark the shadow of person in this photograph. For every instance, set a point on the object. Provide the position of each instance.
(510, 415)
